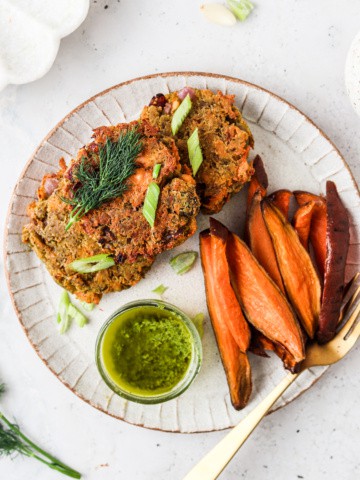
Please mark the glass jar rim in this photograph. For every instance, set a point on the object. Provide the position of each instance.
(186, 380)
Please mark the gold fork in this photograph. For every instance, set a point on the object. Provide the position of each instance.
(210, 467)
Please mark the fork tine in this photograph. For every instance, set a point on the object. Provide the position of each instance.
(348, 304)
(352, 332)
(351, 283)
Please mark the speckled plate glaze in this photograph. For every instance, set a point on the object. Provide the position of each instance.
(297, 155)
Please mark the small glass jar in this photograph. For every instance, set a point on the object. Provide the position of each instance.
(192, 368)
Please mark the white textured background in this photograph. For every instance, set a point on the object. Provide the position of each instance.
(297, 49)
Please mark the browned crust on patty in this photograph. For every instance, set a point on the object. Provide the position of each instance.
(117, 227)
(225, 141)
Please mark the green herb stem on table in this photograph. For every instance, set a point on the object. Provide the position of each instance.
(12, 440)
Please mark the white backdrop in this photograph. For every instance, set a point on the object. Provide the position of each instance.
(297, 50)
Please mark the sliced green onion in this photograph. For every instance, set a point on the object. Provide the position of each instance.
(160, 289)
(195, 153)
(67, 312)
(183, 262)
(151, 202)
(92, 264)
(240, 8)
(87, 306)
(156, 170)
(198, 321)
(180, 114)
(76, 315)
(63, 317)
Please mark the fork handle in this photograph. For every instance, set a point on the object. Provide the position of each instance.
(210, 467)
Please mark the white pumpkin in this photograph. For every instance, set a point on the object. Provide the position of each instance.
(352, 73)
(30, 34)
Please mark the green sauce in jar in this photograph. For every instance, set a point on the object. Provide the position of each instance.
(146, 350)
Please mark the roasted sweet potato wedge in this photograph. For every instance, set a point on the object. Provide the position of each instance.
(337, 245)
(287, 359)
(235, 362)
(260, 345)
(303, 197)
(302, 222)
(259, 240)
(259, 181)
(265, 307)
(300, 279)
(226, 303)
(318, 226)
(281, 199)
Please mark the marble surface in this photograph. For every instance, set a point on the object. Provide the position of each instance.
(297, 50)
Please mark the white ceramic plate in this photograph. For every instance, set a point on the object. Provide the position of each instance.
(297, 155)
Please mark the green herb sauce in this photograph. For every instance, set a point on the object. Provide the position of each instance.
(147, 350)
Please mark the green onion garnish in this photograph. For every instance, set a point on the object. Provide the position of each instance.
(180, 114)
(240, 8)
(156, 170)
(63, 317)
(183, 262)
(151, 202)
(76, 315)
(67, 312)
(87, 306)
(160, 289)
(195, 153)
(198, 321)
(92, 264)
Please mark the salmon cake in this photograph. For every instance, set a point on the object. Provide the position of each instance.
(225, 141)
(118, 226)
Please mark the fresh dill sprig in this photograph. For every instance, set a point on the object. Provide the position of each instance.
(12, 440)
(107, 180)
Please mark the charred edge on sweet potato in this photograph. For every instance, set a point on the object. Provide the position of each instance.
(235, 362)
(261, 344)
(337, 245)
(244, 380)
(298, 273)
